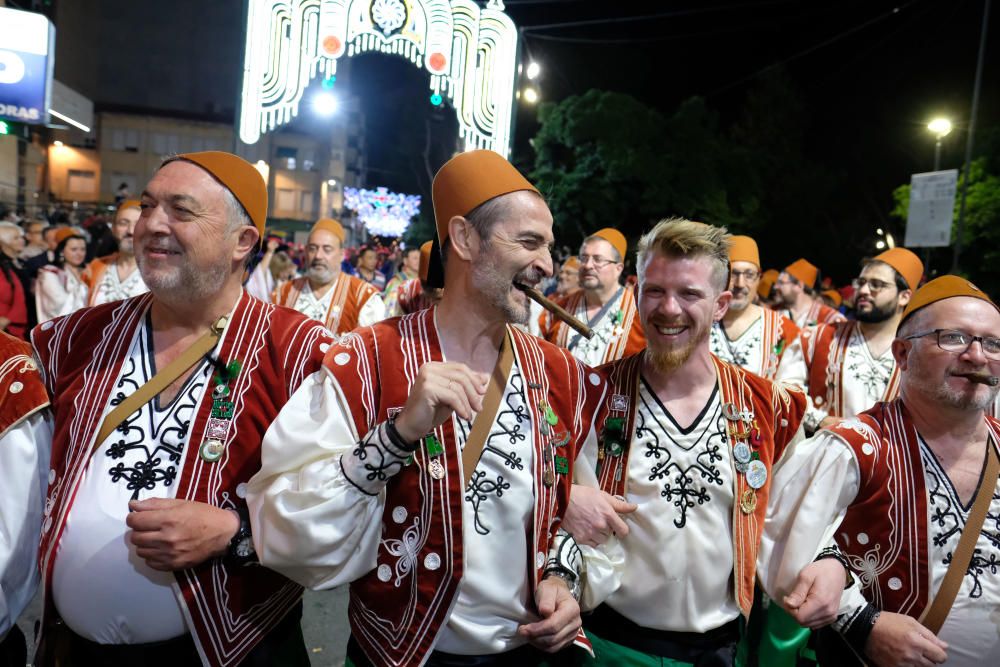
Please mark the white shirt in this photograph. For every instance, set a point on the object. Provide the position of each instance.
(747, 351)
(373, 311)
(674, 570)
(112, 288)
(24, 460)
(607, 330)
(102, 589)
(58, 292)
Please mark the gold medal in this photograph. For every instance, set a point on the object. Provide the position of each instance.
(549, 477)
(748, 501)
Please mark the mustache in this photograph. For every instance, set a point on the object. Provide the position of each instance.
(529, 277)
(669, 322)
(161, 244)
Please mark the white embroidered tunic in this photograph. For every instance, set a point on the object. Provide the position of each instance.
(674, 570)
(101, 588)
(607, 331)
(373, 311)
(112, 288)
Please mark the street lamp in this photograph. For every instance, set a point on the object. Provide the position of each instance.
(325, 104)
(534, 69)
(530, 95)
(940, 127)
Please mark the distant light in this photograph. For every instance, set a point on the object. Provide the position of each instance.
(325, 104)
(879, 231)
(332, 182)
(4, 128)
(436, 99)
(69, 120)
(530, 95)
(880, 244)
(534, 69)
(57, 144)
(264, 169)
(889, 241)
(329, 81)
(939, 126)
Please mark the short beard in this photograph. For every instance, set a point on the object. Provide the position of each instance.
(876, 314)
(669, 360)
(945, 395)
(740, 306)
(126, 246)
(323, 275)
(186, 283)
(496, 289)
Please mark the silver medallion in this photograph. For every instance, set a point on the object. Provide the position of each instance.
(756, 474)
(730, 412)
(740, 467)
(211, 450)
(436, 469)
(741, 452)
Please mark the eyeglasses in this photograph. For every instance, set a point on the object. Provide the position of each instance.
(872, 284)
(749, 275)
(952, 340)
(599, 262)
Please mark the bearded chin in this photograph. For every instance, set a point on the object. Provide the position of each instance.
(667, 361)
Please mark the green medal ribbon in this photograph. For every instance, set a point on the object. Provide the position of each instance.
(562, 465)
(433, 446)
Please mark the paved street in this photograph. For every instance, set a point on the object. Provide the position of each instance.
(324, 625)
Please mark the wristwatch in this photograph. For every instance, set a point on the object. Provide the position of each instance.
(241, 550)
(572, 581)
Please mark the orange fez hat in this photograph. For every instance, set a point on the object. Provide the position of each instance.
(332, 226)
(615, 238)
(469, 180)
(744, 249)
(572, 262)
(425, 259)
(127, 204)
(834, 296)
(941, 288)
(767, 280)
(803, 271)
(239, 177)
(905, 262)
(64, 233)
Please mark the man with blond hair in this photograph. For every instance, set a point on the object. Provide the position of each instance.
(326, 293)
(689, 440)
(607, 306)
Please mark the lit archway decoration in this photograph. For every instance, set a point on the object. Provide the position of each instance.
(384, 213)
(470, 52)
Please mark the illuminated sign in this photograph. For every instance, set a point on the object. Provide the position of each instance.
(470, 52)
(384, 213)
(27, 53)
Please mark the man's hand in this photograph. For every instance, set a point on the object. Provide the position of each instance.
(592, 515)
(174, 534)
(440, 389)
(815, 600)
(272, 244)
(560, 617)
(900, 641)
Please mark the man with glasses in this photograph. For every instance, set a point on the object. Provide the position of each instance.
(748, 335)
(905, 488)
(607, 306)
(794, 292)
(848, 366)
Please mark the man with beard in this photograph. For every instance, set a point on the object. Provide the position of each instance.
(794, 292)
(847, 367)
(690, 440)
(911, 491)
(159, 405)
(116, 277)
(326, 293)
(429, 463)
(748, 335)
(607, 306)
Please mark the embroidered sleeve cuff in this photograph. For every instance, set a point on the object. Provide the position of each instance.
(374, 460)
(856, 626)
(566, 561)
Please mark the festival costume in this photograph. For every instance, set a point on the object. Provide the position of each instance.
(617, 330)
(430, 563)
(874, 483)
(762, 347)
(24, 427)
(411, 297)
(840, 374)
(818, 313)
(689, 563)
(349, 303)
(58, 292)
(104, 285)
(203, 446)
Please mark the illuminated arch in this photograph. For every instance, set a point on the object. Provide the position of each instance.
(469, 51)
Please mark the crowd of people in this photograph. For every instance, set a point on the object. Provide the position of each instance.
(703, 464)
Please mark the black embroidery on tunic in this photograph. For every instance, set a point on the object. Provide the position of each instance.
(683, 486)
(152, 438)
(511, 427)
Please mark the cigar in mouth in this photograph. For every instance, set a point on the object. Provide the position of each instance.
(556, 310)
(981, 378)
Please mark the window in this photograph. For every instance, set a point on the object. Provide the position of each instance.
(285, 200)
(125, 140)
(82, 181)
(307, 202)
(287, 156)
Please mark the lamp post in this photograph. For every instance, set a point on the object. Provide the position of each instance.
(941, 127)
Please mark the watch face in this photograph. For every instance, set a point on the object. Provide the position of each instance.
(244, 548)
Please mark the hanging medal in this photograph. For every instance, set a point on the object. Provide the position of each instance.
(434, 452)
(214, 445)
(748, 501)
(548, 475)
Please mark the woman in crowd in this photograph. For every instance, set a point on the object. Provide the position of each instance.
(13, 310)
(59, 290)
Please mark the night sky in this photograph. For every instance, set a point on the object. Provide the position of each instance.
(869, 73)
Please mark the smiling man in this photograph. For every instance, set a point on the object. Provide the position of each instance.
(690, 441)
(607, 306)
(159, 406)
(326, 293)
(847, 367)
(429, 463)
(116, 277)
